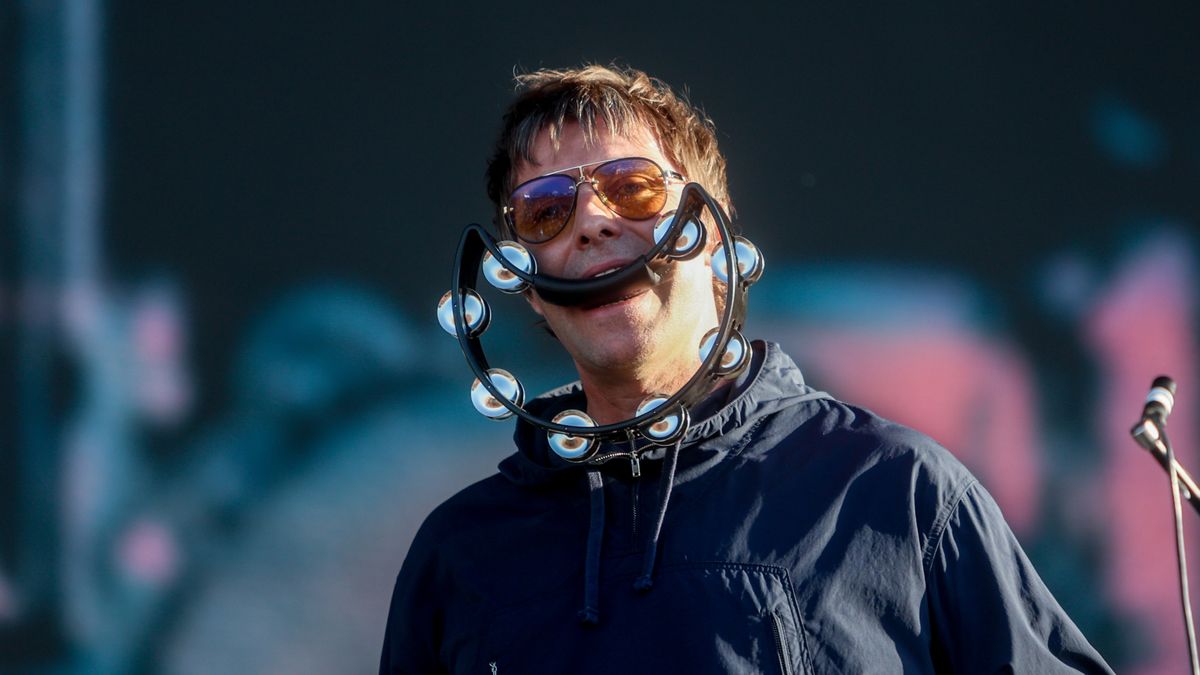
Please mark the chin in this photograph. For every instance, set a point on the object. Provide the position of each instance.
(615, 351)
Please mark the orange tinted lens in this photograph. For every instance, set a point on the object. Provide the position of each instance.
(634, 188)
(541, 207)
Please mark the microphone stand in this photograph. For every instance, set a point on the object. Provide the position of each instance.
(1152, 435)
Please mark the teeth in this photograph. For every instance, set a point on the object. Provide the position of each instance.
(605, 272)
(614, 301)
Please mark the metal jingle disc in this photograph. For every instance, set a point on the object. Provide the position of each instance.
(475, 310)
(573, 448)
(500, 276)
(510, 388)
(687, 244)
(663, 226)
(749, 262)
(720, 266)
(736, 354)
(707, 342)
(666, 429)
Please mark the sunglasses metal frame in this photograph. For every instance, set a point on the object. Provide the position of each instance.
(670, 177)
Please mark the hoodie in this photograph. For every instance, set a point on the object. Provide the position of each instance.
(786, 533)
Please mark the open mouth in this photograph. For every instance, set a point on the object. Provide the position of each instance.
(615, 296)
(612, 268)
(617, 291)
(628, 294)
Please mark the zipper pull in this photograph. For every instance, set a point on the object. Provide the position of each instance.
(635, 465)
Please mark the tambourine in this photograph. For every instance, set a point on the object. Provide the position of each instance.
(662, 418)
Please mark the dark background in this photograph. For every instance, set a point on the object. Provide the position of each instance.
(280, 190)
(256, 146)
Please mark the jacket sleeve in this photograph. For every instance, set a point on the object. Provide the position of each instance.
(990, 611)
(413, 634)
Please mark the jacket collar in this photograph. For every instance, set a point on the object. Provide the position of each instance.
(771, 383)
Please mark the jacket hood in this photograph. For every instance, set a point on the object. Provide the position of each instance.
(771, 383)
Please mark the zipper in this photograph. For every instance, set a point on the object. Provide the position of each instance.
(777, 633)
(636, 489)
(635, 472)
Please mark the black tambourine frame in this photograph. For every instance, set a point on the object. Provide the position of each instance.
(694, 201)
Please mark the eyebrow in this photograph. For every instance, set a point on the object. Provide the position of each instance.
(669, 171)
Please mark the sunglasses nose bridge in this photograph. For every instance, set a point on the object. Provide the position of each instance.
(591, 182)
(592, 217)
(585, 180)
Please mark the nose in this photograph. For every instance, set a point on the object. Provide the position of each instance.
(593, 219)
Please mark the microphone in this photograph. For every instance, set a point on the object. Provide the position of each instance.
(1160, 400)
(1159, 403)
(1150, 433)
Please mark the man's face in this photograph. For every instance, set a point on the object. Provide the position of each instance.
(652, 329)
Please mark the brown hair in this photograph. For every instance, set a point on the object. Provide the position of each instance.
(620, 97)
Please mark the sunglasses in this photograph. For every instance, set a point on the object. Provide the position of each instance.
(631, 187)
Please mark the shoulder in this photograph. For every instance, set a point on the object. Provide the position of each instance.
(884, 469)
(468, 510)
(431, 593)
(448, 531)
(827, 429)
(490, 510)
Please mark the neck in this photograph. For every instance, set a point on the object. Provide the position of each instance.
(613, 396)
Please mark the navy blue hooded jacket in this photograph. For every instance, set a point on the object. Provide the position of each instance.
(801, 535)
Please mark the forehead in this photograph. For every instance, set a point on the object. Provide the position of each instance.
(574, 148)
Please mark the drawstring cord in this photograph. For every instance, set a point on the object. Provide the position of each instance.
(646, 580)
(590, 614)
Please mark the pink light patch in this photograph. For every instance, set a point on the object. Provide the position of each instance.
(1141, 326)
(149, 553)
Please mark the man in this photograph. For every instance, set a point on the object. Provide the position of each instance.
(803, 535)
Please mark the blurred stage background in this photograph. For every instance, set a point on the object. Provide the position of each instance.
(227, 405)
